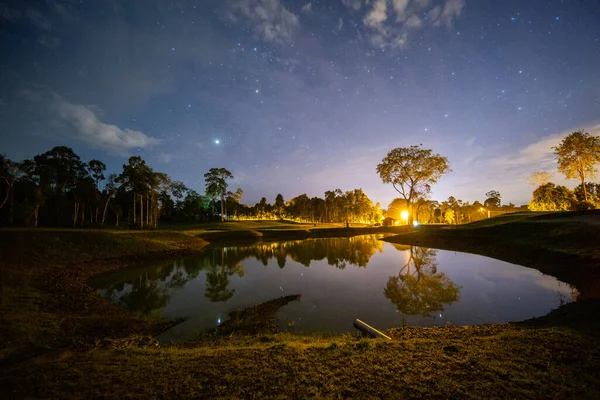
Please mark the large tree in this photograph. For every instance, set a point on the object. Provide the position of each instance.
(550, 197)
(577, 155)
(411, 171)
(216, 185)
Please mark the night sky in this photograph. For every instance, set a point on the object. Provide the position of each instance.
(303, 96)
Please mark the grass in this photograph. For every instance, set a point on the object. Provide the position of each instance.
(55, 328)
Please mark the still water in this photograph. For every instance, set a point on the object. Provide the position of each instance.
(339, 279)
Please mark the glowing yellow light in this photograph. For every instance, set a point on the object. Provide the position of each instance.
(404, 215)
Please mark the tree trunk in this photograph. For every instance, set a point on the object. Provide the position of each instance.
(141, 211)
(82, 213)
(36, 212)
(222, 207)
(8, 186)
(117, 220)
(104, 212)
(134, 200)
(97, 215)
(12, 202)
(584, 188)
(75, 213)
(147, 209)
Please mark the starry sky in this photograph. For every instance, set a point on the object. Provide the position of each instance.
(303, 96)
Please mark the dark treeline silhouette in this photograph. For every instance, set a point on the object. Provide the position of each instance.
(57, 188)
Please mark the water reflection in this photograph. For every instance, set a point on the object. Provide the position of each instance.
(361, 277)
(419, 289)
(150, 290)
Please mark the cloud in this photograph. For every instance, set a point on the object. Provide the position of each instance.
(38, 20)
(270, 19)
(353, 4)
(391, 26)
(306, 8)
(88, 128)
(540, 155)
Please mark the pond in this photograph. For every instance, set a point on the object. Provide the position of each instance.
(339, 279)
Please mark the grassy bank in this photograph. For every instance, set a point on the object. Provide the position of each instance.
(46, 302)
(564, 245)
(54, 327)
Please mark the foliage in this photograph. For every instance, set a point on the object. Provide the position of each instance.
(577, 155)
(216, 185)
(539, 178)
(550, 197)
(592, 190)
(493, 199)
(412, 171)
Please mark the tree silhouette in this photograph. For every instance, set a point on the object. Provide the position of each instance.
(216, 185)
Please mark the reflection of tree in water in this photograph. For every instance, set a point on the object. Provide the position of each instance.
(419, 289)
(224, 264)
(153, 286)
(146, 296)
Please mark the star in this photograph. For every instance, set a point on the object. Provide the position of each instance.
(217, 141)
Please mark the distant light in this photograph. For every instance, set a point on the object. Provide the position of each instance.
(254, 49)
(256, 90)
(217, 141)
(415, 223)
(557, 18)
(512, 18)
(172, 48)
(404, 215)
(219, 321)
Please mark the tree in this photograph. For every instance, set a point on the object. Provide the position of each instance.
(550, 197)
(110, 191)
(577, 156)
(136, 177)
(216, 185)
(593, 192)
(8, 173)
(96, 169)
(412, 171)
(279, 206)
(539, 178)
(493, 199)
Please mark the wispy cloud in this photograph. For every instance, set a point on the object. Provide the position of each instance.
(88, 128)
(540, 155)
(391, 22)
(269, 19)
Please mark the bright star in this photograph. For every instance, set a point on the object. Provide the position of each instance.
(256, 90)
(217, 141)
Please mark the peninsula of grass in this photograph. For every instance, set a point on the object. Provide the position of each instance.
(58, 339)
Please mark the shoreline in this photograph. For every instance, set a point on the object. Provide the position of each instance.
(82, 332)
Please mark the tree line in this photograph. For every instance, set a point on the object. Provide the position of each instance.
(57, 188)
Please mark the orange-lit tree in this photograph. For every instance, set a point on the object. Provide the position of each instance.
(577, 155)
(411, 171)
